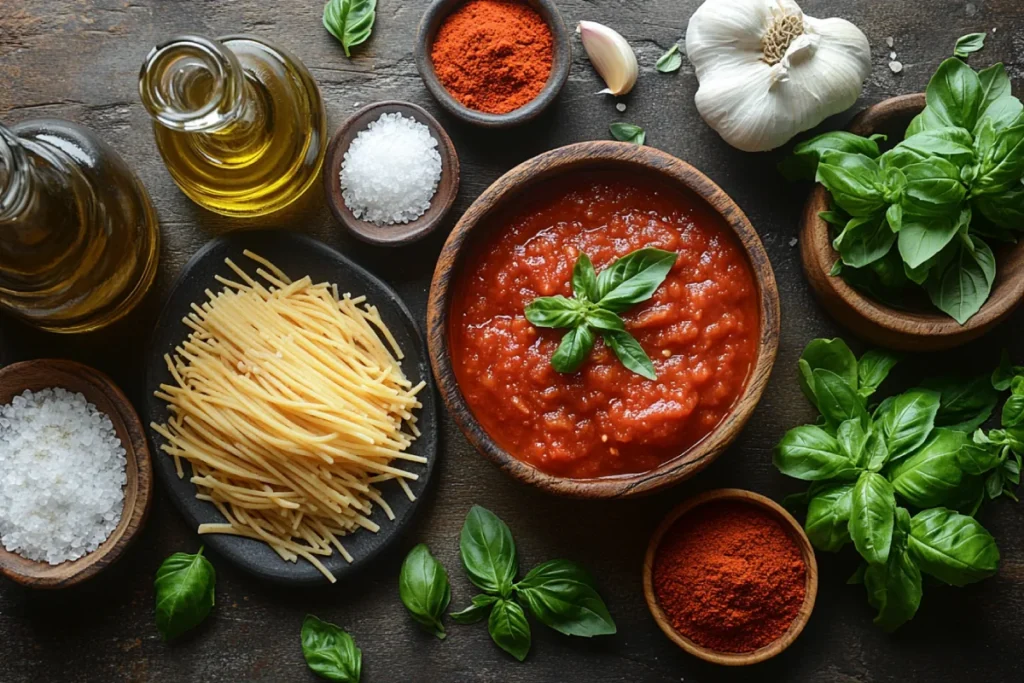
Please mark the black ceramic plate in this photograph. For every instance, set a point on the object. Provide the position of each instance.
(296, 255)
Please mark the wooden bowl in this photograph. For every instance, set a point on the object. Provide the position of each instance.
(810, 584)
(928, 330)
(101, 391)
(587, 156)
(447, 187)
(562, 60)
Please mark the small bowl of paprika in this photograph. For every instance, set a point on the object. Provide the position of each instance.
(493, 63)
(730, 577)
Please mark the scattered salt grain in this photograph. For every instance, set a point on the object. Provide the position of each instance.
(391, 171)
(892, 55)
(621, 106)
(62, 476)
(889, 41)
(793, 242)
(896, 67)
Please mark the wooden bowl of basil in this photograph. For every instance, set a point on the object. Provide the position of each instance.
(879, 301)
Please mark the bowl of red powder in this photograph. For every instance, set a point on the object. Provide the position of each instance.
(493, 63)
(730, 577)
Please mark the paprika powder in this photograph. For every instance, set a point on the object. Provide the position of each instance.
(729, 577)
(493, 56)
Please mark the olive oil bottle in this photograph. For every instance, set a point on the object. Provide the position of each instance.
(79, 239)
(239, 122)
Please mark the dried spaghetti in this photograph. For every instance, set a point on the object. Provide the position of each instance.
(291, 410)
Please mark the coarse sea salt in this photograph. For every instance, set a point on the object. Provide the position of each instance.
(391, 171)
(62, 476)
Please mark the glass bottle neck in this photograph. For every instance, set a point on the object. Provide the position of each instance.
(16, 177)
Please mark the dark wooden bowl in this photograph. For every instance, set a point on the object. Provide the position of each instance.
(503, 193)
(562, 60)
(927, 330)
(440, 204)
(810, 585)
(101, 391)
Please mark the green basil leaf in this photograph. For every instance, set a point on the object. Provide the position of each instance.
(424, 589)
(488, 552)
(1005, 209)
(854, 180)
(872, 514)
(630, 353)
(969, 44)
(1000, 114)
(933, 188)
(330, 652)
(953, 548)
(926, 120)
(951, 143)
(1003, 376)
(932, 475)
(978, 458)
(562, 595)
(827, 354)
(810, 453)
(670, 61)
(573, 350)
(601, 319)
(876, 454)
(964, 404)
(828, 516)
(1003, 164)
(908, 420)
(509, 629)
(479, 608)
(584, 279)
(184, 588)
(555, 311)
(837, 218)
(627, 132)
(954, 94)
(852, 438)
(894, 589)
(802, 164)
(837, 400)
(633, 278)
(921, 238)
(872, 369)
(995, 84)
(1013, 411)
(961, 288)
(350, 21)
(864, 240)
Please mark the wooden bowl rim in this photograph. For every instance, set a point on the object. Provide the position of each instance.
(585, 156)
(443, 199)
(560, 66)
(132, 520)
(810, 581)
(901, 329)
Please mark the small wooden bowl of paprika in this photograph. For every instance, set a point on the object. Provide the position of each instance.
(734, 542)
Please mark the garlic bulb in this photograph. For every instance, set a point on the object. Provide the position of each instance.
(611, 55)
(767, 71)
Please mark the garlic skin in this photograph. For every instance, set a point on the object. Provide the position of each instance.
(611, 55)
(767, 71)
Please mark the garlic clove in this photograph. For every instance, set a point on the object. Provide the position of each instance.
(611, 56)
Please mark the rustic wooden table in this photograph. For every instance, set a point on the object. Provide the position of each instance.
(79, 59)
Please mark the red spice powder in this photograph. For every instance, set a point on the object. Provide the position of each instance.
(493, 56)
(729, 577)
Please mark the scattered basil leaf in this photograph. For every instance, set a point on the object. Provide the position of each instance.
(330, 652)
(488, 552)
(872, 511)
(631, 354)
(810, 453)
(828, 517)
(555, 311)
(481, 605)
(969, 44)
(633, 278)
(574, 349)
(670, 61)
(509, 629)
(953, 548)
(424, 589)
(184, 588)
(562, 595)
(627, 132)
(350, 21)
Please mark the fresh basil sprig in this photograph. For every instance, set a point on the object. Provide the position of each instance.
(559, 593)
(330, 652)
(424, 589)
(593, 310)
(184, 593)
(350, 21)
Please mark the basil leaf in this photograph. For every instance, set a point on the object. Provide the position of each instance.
(350, 21)
(633, 278)
(864, 240)
(630, 353)
(488, 552)
(810, 453)
(802, 164)
(1005, 209)
(953, 548)
(921, 238)
(963, 404)
(852, 438)
(930, 476)
(1003, 164)
(954, 94)
(908, 420)
(627, 132)
(961, 288)
(1013, 411)
(330, 652)
(933, 188)
(875, 452)
(995, 84)
(481, 605)
(926, 120)
(969, 44)
(999, 115)
(894, 588)
(601, 319)
(509, 629)
(670, 61)
(827, 354)
(950, 143)
(562, 595)
(424, 589)
(828, 516)
(837, 400)
(584, 279)
(969, 497)
(854, 180)
(978, 458)
(555, 311)
(574, 349)
(872, 511)
(184, 588)
(1003, 376)
(872, 369)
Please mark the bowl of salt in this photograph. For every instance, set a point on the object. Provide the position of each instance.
(391, 173)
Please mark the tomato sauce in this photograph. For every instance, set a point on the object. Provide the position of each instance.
(700, 328)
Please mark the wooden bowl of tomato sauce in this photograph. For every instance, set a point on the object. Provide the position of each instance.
(710, 329)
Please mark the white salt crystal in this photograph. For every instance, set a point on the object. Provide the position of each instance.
(391, 171)
(793, 242)
(892, 55)
(889, 41)
(62, 476)
(621, 106)
(896, 67)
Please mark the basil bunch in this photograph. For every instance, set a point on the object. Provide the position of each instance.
(184, 588)
(330, 652)
(921, 215)
(594, 307)
(1005, 446)
(869, 463)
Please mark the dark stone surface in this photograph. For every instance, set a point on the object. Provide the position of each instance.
(79, 59)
